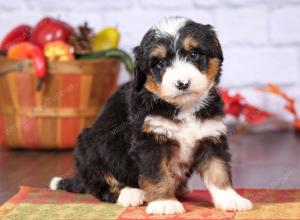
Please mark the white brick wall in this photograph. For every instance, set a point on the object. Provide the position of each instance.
(284, 25)
(242, 26)
(260, 38)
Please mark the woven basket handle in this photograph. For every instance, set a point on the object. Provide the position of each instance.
(19, 67)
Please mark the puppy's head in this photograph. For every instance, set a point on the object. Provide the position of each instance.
(178, 60)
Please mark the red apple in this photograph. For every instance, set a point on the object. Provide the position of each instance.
(17, 35)
(50, 29)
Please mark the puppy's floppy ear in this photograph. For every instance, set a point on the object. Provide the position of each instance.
(217, 49)
(139, 76)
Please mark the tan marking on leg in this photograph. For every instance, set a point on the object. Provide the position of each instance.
(216, 177)
(173, 173)
(162, 188)
(215, 172)
(114, 185)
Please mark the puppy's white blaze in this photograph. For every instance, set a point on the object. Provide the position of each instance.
(170, 26)
(165, 207)
(131, 197)
(228, 199)
(53, 185)
(183, 71)
(187, 132)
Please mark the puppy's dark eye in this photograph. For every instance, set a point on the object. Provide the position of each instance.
(161, 64)
(194, 55)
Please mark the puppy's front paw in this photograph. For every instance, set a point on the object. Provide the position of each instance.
(165, 207)
(230, 200)
(131, 197)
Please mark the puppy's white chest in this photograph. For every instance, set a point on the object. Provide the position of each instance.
(187, 132)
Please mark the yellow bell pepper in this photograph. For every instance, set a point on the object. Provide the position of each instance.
(106, 39)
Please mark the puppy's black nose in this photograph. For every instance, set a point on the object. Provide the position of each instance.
(181, 85)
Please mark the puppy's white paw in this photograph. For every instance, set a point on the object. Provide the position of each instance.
(131, 197)
(230, 200)
(53, 185)
(165, 207)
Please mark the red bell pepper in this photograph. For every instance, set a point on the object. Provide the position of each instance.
(19, 34)
(27, 50)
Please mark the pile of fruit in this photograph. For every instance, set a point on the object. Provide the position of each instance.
(55, 40)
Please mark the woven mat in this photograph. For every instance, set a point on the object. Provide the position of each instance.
(42, 204)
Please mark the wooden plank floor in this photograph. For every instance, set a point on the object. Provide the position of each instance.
(259, 160)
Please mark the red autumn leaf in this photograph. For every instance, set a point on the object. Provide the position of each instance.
(236, 105)
(234, 109)
(255, 115)
(233, 104)
(290, 108)
(290, 105)
(274, 89)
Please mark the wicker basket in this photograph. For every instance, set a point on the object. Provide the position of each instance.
(69, 100)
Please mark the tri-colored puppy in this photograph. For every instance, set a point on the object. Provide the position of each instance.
(158, 129)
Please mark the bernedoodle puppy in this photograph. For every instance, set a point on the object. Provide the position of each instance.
(162, 126)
